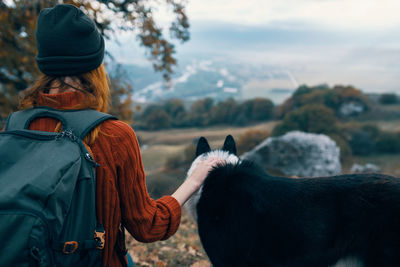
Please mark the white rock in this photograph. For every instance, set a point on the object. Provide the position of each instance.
(298, 154)
(369, 167)
(351, 108)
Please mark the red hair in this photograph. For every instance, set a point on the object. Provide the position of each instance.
(94, 84)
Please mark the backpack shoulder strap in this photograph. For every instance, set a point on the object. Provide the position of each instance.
(79, 121)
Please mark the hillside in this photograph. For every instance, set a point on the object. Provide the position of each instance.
(212, 78)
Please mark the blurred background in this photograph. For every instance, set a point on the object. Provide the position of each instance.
(254, 69)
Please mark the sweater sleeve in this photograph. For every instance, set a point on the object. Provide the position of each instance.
(146, 219)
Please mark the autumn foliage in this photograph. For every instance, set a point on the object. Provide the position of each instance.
(332, 98)
(18, 69)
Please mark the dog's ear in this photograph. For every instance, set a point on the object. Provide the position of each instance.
(202, 146)
(229, 145)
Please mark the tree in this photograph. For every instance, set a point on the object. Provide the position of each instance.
(224, 112)
(176, 111)
(154, 117)
(121, 95)
(18, 18)
(257, 109)
(310, 118)
(199, 114)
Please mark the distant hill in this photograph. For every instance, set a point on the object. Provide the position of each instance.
(210, 78)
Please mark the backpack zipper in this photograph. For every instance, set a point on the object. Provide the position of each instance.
(67, 134)
(45, 136)
(70, 135)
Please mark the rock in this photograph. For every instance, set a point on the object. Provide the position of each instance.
(350, 109)
(298, 154)
(369, 167)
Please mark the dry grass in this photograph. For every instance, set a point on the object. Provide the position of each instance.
(391, 126)
(154, 156)
(159, 145)
(389, 163)
(188, 135)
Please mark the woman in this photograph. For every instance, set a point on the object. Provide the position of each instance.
(70, 55)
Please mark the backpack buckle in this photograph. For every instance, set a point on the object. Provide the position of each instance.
(100, 237)
(70, 247)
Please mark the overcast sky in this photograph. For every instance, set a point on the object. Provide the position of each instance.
(339, 14)
(335, 41)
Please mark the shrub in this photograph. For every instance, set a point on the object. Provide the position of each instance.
(249, 139)
(322, 95)
(361, 138)
(302, 96)
(345, 149)
(388, 142)
(362, 143)
(388, 99)
(310, 118)
(369, 139)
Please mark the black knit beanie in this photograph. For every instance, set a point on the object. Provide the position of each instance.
(68, 42)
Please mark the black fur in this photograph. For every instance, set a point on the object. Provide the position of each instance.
(249, 218)
(202, 146)
(229, 145)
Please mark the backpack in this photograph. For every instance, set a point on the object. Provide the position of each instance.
(47, 191)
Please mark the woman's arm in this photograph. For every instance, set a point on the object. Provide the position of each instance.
(147, 219)
(194, 182)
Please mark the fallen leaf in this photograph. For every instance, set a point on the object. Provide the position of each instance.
(181, 247)
(202, 263)
(161, 264)
(192, 251)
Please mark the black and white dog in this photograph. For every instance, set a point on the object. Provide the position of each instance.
(248, 218)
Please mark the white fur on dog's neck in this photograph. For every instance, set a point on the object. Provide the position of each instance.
(191, 204)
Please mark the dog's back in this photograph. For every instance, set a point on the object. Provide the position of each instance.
(248, 218)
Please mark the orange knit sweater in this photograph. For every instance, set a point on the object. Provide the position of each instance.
(121, 193)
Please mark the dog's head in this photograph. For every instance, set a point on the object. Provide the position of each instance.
(203, 151)
(226, 153)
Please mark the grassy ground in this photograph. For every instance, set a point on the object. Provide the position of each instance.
(391, 126)
(158, 145)
(184, 248)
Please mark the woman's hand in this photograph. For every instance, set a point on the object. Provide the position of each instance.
(196, 179)
(202, 169)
